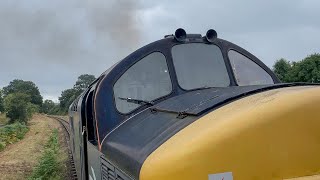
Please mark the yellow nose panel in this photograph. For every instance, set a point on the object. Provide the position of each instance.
(270, 135)
(316, 177)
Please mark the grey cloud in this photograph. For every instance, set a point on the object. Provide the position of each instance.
(53, 42)
(269, 29)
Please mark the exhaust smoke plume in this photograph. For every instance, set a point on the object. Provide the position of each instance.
(68, 31)
(116, 19)
(53, 42)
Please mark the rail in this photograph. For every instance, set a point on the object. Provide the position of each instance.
(72, 169)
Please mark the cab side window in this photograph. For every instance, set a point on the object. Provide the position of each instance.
(146, 80)
(246, 71)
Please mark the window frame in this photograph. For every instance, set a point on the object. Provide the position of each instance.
(225, 61)
(251, 59)
(126, 69)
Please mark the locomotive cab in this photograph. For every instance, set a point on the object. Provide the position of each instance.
(128, 118)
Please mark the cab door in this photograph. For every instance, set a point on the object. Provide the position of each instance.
(76, 136)
(82, 134)
(92, 156)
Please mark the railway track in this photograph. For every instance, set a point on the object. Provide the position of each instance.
(72, 170)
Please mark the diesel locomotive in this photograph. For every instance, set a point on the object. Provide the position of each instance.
(195, 107)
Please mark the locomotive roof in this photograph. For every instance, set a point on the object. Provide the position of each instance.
(104, 94)
(170, 40)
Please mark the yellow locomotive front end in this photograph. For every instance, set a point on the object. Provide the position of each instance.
(270, 135)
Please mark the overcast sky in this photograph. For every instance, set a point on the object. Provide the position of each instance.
(53, 42)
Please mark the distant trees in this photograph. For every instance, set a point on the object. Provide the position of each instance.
(69, 95)
(1, 102)
(306, 70)
(48, 107)
(281, 69)
(20, 100)
(82, 83)
(25, 87)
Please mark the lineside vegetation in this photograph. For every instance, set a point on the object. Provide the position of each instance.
(12, 133)
(49, 166)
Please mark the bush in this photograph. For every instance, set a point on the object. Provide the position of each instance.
(12, 133)
(49, 167)
(18, 107)
(3, 119)
(31, 109)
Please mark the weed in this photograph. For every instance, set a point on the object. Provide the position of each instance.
(2, 146)
(49, 167)
(12, 133)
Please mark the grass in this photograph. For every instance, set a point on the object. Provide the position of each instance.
(49, 166)
(12, 133)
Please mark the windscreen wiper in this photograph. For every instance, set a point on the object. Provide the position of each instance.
(202, 88)
(137, 101)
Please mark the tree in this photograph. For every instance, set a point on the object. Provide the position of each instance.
(25, 87)
(83, 82)
(48, 107)
(307, 70)
(1, 102)
(282, 69)
(67, 97)
(57, 110)
(18, 107)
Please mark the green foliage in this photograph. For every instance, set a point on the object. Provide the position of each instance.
(21, 100)
(281, 69)
(2, 146)
(83, 82)
(49, 167)
(3, 119)
(31, 109)
(307, 70)
(1, 101)
(12, 133)
(57, 110)
(48, 107)
(69, 95)
(18, 107)
(25, 87)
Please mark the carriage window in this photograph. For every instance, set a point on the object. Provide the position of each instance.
(142, 83)
(248, 72)
(199, 65)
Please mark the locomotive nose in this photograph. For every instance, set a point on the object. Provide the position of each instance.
(270, 135)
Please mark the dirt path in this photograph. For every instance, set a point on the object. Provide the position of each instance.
(17, 160)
